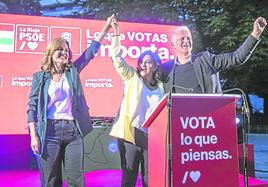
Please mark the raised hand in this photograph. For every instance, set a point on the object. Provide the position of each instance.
(258, 27)
(105, 29)
(115, 26)
(109, 20)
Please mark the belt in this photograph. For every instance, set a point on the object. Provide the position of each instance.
(66, 121)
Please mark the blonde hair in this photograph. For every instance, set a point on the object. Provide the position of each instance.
(47, 63)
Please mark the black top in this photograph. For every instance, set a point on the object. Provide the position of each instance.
(185, 76)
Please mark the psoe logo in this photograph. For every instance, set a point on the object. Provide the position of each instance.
(71, 34)
(67, 36)
(21, 81)
(31, 38)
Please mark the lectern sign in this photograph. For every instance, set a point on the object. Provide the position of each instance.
(204, 149)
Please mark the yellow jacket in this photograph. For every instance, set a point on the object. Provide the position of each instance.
(122, 127)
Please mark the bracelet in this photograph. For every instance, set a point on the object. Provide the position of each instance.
(114, 35)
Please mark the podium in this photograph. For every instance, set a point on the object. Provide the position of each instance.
(203, 150)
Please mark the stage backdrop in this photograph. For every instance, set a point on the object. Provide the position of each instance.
(23, 41)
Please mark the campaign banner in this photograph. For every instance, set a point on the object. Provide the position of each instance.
(23, 41)
(204, 142)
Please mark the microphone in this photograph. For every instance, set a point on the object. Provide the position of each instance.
(189, 90)
(245, 106)
(245, 129)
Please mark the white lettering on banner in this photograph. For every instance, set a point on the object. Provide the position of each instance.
(148, 37)
(199, 140)
(31, 38)
(30, 29)
(108, 36)
(134, 51)
(22, 29)
(134, 36)
(191, 155)
(98, 83)
(187, 140)
(20, 81)
(105, 50)
(36, 37)
(203, 140)
(197, 122)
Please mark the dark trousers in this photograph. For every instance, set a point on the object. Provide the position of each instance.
(63, 146)
(131, 157)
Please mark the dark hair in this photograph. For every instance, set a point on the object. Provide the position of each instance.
(158, 75)
(154, 57)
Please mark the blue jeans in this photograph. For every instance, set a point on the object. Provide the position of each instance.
(63, 146)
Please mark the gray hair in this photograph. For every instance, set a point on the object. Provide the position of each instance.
(178, 30)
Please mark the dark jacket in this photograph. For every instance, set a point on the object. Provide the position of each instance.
(207, 65)
(38, 99)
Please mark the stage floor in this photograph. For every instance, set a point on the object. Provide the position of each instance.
(112, 178)
(101, 178)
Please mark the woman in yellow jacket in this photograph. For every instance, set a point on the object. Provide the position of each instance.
(143, 90)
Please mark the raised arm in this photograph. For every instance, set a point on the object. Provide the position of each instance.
(243, 53)
(124, 70)
(105, 29)
(90, 52)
